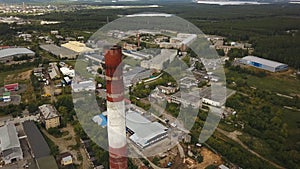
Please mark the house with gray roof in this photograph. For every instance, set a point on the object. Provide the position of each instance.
(10, 146)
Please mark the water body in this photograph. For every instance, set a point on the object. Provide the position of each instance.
(232, 2)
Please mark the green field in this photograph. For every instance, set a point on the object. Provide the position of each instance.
(281, 84)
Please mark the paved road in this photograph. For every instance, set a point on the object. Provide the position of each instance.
(233, 136)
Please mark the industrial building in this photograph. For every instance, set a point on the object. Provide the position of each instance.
(144, 132)
(264, 64)
(39, 147)
(137, 55)
(67, 72)
(49, 116)
(84, 86)
(61, 52)
(77, 47)
(158, 61)
(10, 144)
(135, 75)
(182, 41)
(216, 96)
(186, 99)
(8, 54)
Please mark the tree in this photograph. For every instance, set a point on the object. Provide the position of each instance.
(211, 167)
(199, 158)
(32, 107)
(220, 52)
(186, 60)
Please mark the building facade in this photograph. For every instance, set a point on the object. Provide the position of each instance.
(9, 144)
(8, 54)
(264, 64)
(49, 116)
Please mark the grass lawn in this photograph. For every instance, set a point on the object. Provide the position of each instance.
(80, 68)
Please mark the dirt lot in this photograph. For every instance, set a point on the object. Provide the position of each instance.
(65, 142)
(18, 77)
(209, 158)
(47, 89)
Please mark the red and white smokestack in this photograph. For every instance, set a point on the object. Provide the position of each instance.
(116, 127)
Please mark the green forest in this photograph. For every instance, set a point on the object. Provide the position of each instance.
(272, 29)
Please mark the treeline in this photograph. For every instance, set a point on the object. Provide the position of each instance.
(5, 68)
(239, 69)
(23, 57)
(263, 117)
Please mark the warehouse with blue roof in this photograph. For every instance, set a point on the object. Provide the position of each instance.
(264, 64)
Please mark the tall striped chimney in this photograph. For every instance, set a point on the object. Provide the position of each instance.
(116, 127)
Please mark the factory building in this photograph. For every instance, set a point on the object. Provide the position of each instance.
(144, 132)
(264, 64)
(137, 55)
(61, 52)
(10, 146)
(8, 54)
(158, 61)
(39, 147)
(67, 72)
(182, 41)
(186, 99)
(77, 47)
(84, 86)
(135, 75)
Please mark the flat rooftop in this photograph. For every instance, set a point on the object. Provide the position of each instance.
(263, 61)
(58, 51)
(36, 140)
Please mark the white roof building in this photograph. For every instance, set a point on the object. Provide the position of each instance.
(67, 160)
(10, 147)
(265, 64)
(157, 62)
(222, 167)
(145, 132)
(84, 86)
(67, 72)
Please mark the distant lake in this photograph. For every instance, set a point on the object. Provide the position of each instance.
(231, 2)
(295, 2)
